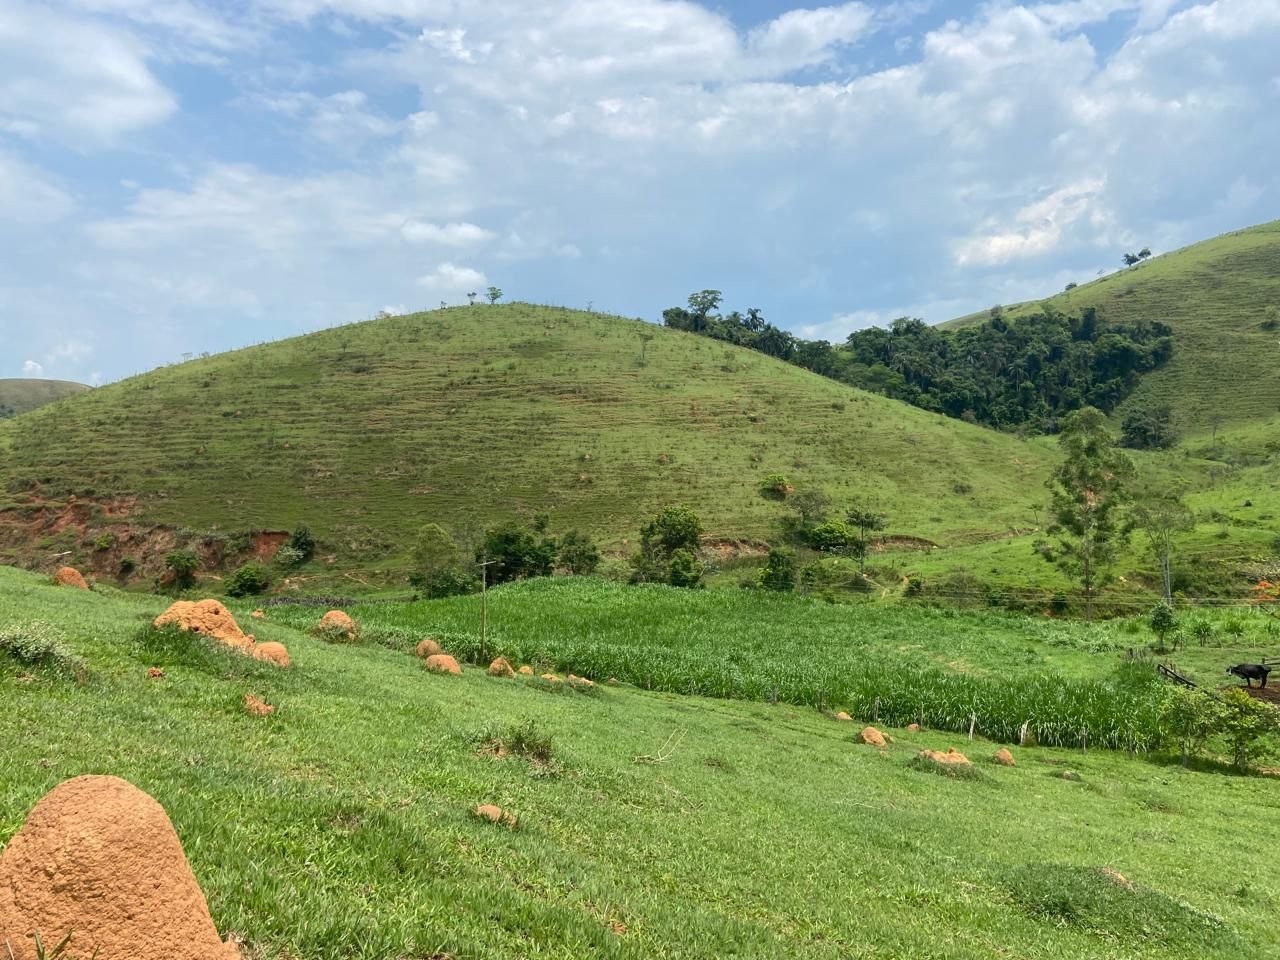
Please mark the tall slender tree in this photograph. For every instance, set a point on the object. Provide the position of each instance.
(1088, 494)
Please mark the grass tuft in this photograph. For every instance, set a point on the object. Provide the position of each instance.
(1103, 902)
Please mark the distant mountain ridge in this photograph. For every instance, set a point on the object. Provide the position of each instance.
(18, 396)
(1221, 298)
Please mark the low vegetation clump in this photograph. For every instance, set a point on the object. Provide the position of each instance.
(38, 646)
(1105, 903)
(248, 580)
(521, 739)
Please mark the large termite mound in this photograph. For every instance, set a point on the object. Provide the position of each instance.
(98, 858)
(70, 577)
(208, 617)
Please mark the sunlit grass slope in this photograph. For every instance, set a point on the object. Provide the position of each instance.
(1217, 296)
(469, 415)
(661, 826)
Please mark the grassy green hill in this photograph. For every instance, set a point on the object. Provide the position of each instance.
(650, 824)
(20, 396)
(1222, 298)
(471, 415)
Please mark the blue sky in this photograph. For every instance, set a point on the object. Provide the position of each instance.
(180, 176)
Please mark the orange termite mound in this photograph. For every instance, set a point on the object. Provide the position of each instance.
(337, 622)
(208, 617)
(274, 652)
(494, 814)
(501, 668)
(843, 716)
(70, 577)
(428, 648)
(1004, 758)
(257, 706)
(871, 736)
(952, 757)
(212, 619)
(526, 671)
(99, 858)
(443, 663)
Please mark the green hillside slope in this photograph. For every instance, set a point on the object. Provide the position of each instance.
(1222, 298)
(470, 415)
(21, 395)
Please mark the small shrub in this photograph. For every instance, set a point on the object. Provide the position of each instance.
(1163, 622)
(39, 646)
(104, 541)
(776, 486)
(524, 740)
(1245, 721)
(684, 569)
(127, 566)
(779, 572)
(288, 557)
(249, 580)
(183, 565)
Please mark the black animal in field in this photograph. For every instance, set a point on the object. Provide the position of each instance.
(1248, 672)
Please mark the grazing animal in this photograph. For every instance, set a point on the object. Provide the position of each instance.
(1248, 672)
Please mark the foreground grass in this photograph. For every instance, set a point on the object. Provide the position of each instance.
(339, 828)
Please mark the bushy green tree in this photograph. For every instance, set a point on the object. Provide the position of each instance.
(832, 536)
(249, 580)
(518, 552)
(684, 569)
(578, 554)
(1088, 493)
(674, 530)
(439, 566)
(1148, 427)
(303, 542)
(779, 571)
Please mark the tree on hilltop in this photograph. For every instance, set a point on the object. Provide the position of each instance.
(494, 295)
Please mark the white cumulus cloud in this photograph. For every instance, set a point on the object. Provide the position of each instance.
(450, 280)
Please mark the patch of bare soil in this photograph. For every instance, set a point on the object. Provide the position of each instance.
(100, 859)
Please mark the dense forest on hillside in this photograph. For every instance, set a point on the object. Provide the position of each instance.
(1002, 373)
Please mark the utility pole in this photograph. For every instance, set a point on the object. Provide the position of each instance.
(484, 606)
